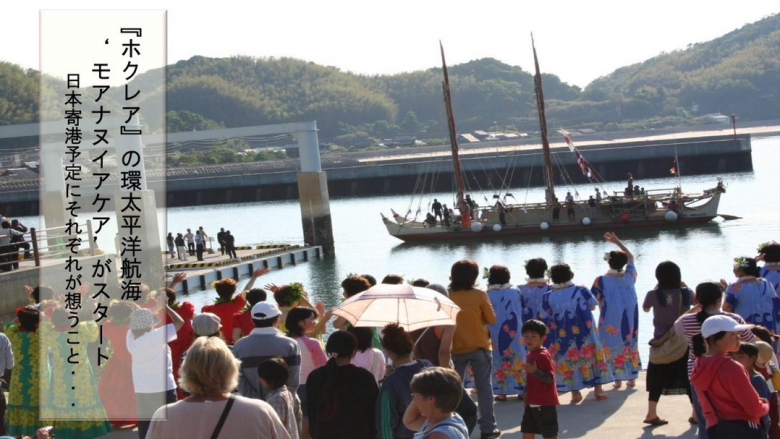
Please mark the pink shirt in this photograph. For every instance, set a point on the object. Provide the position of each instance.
(312, 355)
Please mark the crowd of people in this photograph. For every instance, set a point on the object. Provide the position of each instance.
(267, 362)
(194, 244)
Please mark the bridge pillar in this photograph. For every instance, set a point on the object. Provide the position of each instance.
(313, 193)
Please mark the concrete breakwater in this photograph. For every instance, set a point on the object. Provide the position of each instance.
(496, 166)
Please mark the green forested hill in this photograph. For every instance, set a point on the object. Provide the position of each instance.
(736, 73)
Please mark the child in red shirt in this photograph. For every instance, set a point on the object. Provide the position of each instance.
(541, 394)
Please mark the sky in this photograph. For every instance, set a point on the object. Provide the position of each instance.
(577, 40)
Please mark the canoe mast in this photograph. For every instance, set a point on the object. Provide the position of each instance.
(548, 168)
(461, 186)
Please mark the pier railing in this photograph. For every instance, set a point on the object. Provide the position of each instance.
(50, 243)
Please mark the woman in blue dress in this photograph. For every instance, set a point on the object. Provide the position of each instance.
(751, 297)
(508, 348)
(574, 339)
(533, 291)
(619, 313)
(769, 252)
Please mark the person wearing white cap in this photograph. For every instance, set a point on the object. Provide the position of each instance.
(154, 386)
(263, 343)
(709, 300)
(731, 406)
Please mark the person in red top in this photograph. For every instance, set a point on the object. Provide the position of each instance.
(242, 320)
(733, 399)
(116, 385)
(226, 305)
(184, 336)
(541, 394)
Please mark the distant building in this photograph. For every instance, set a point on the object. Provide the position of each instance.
(716, 117)
(363, 143)
(481, 135)
(404, 140)
(10, 160)
(468, 138)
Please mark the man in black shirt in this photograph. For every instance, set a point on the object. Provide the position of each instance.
(230, 246)
(221, 240)
(436, 206)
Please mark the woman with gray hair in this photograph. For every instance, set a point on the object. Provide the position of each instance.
(210, 373)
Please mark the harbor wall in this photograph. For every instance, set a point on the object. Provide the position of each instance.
(402, 174)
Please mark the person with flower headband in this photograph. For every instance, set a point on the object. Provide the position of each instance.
(619, 313)
(769, 252)
(533, 290)
(225, 306)
(575, 344)
(242, 320)
(751, 296)
(291, 296)
(508, 349)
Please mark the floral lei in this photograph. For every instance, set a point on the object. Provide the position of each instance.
(562, 285)
(220, 301)
(536, 279)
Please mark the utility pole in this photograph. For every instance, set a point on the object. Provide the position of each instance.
(734, 125)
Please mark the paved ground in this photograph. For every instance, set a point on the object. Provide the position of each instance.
(619, 417)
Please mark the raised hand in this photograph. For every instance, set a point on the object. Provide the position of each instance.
(260, 272)
(179, 277)
(271, 287)
(611, 237)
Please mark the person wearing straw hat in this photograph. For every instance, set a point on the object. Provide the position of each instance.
(153, 386)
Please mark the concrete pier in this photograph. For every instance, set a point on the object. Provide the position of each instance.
(215, 267)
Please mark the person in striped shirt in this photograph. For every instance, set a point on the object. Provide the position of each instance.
(709, 299)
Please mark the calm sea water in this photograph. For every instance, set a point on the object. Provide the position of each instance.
(363, 245)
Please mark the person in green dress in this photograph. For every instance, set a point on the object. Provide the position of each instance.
(72, 399)
(22, 416)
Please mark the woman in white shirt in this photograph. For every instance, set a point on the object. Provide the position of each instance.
(148, 347)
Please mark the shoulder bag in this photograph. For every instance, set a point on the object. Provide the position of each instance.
(670, 347)
(223, 418)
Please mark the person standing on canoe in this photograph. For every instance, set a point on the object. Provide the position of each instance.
(570, 206)
(436, 207)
